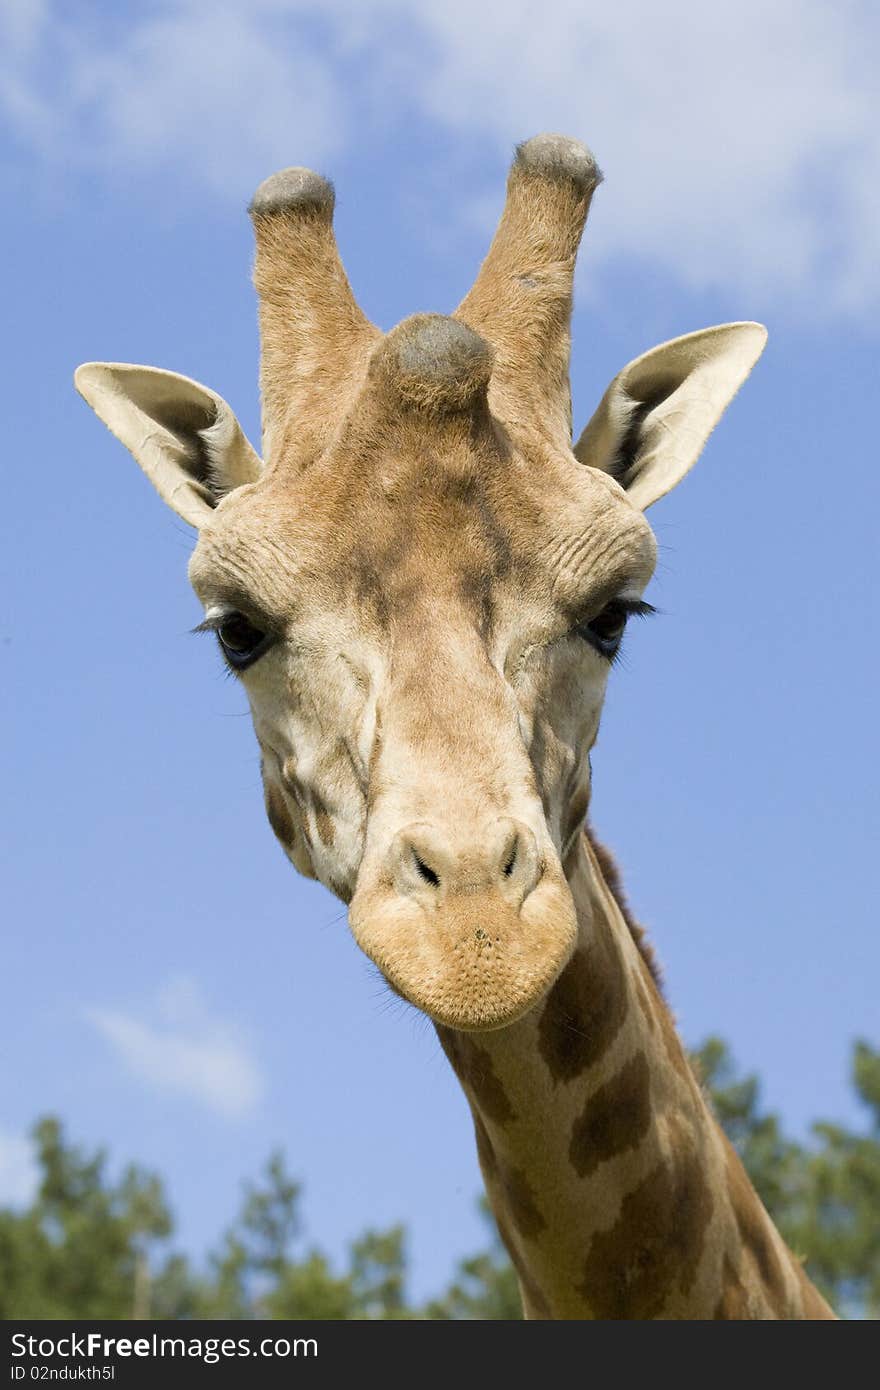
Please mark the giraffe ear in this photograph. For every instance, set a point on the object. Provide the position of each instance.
(657, 414)
(185, 437)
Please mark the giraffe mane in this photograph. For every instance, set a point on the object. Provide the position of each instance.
(611, 874)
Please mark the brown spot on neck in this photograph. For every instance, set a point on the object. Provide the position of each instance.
(586, 1007)
(733, 1305)
(485, 1151)
(513, 1194)
(520, 1203)
(614, 1119)
(756, 1234)
(653, 1250)
(473, 1067)
(537, 1304)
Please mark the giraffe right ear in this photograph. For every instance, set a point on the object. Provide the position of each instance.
(185, 437)
(657, 414)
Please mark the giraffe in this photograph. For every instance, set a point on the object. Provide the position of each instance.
(422, 585)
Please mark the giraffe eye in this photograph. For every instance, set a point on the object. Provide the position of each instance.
(605, 631)
(240, 641)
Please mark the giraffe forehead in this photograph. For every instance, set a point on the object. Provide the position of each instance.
(379, 537)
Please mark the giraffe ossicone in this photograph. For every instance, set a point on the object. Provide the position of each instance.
(422, 585)
(433, 363)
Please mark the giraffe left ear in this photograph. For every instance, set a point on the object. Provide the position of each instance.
(184, 436)
(655, 417)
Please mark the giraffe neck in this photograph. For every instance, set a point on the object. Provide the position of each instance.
(613, 1186)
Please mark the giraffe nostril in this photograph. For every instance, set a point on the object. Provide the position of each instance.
(435, 863)
(425, 871)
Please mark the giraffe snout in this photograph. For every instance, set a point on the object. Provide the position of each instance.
(429, 862)
(472, 928)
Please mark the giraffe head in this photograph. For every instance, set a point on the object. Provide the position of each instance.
(422, 584)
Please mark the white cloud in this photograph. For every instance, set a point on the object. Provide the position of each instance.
(186, 1050)
(210, 92)
(740, 138)
(18, 1170)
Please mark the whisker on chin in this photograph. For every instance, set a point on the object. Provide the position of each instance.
(335, 920)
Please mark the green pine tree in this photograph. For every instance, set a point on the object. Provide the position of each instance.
(90, 1246)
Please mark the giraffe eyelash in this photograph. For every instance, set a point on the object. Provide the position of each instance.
(636, 607)
(238, 653)
(216, 613)
(207, 625)
(608, 643)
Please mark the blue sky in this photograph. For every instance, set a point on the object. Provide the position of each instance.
(170, 987)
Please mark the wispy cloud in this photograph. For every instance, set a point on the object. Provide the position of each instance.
(185, 1049)
(740, 139)
(209, 91)
(18, 1170)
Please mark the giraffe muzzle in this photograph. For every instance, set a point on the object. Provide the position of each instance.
(472, 937)
(427, 866)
